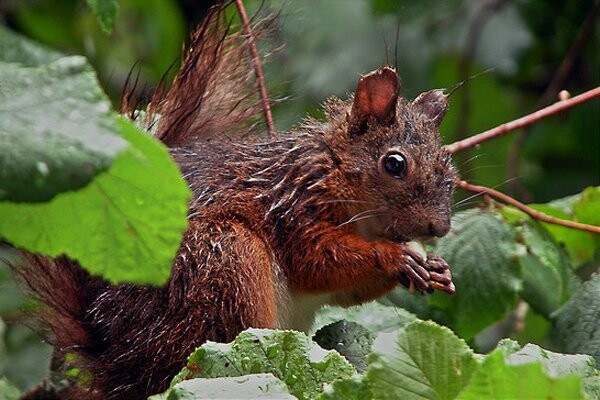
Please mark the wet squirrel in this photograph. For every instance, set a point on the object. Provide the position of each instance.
(277, 228)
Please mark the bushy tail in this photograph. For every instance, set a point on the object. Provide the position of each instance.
(67, 291)
(213, 93)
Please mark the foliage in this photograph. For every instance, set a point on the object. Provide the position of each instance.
(8, 391)
(117, 204)
(576, 323)
(423, 360)
(105, 11)
(288, 355)
(61, 145)
(483, 254)
(255, 386)
(74, 162)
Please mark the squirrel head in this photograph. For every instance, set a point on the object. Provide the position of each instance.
(389, 152)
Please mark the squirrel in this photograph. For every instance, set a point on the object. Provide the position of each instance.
(277, 227)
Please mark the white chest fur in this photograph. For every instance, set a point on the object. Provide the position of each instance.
(296, 310)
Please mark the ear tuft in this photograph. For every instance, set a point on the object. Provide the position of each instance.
(432, 105)
(375, 98)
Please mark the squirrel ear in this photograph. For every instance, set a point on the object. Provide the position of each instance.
(432, 105)
(375, 98)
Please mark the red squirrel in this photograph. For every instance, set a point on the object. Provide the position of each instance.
(277, 227)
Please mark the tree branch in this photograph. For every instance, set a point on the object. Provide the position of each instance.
(260, 79)
(523, 121)
(540, 216)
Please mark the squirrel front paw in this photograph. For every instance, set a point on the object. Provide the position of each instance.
(428, 274)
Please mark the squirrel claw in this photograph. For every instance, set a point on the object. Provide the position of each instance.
(427, 275)
(449, 288)
(416, 272)
(436, 263)
(441, 278)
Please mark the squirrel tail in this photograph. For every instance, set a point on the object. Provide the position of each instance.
(213, 93)
(66, 291)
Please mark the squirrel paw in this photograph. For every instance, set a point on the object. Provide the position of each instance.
(441, 278)
(428, 274)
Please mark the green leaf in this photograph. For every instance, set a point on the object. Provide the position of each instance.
(559, 365)
(591, 385)
(548, 277)
(427, 362)
(576, 325)
(555, 364)
(258, 386)
(56, 129)
(106, 12)
(587, 209)
(578, 244)
(350, 339)
(126, 225)
(27, 357)
(482, 255)
(12, 299)
(2, 345)
(497, 379)
(8, 391)
(353, 388)
(290, 356)
(18, 49)
(374, 316)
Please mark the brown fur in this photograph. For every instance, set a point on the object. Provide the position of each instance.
(264, 215)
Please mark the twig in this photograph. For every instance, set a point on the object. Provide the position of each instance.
(523, 121)
(260, 79)
(540, 216)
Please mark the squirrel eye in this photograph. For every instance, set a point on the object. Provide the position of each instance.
(395, 164)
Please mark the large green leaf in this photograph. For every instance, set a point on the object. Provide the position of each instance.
(350, 339)
(584, 207)
(498, 379)
(353, 388)
(105, 11)
(8, 391)
(587, 209)
(20, 50)
(548, 277)
(559, 365)
(576, 323)
(125, 225)
(56, 129)
(424, 361)
(482, 253)
(290, 356)
(257, 386)
(556, 364)
(374, 316)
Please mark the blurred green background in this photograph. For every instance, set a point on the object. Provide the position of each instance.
(534, 49)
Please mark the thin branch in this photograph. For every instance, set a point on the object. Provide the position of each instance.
(527, 210)
(523, 121)
(260, 79)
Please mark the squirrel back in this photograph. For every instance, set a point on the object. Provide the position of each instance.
(277, 228)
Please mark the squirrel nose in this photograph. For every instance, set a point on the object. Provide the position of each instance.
(439, 228)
